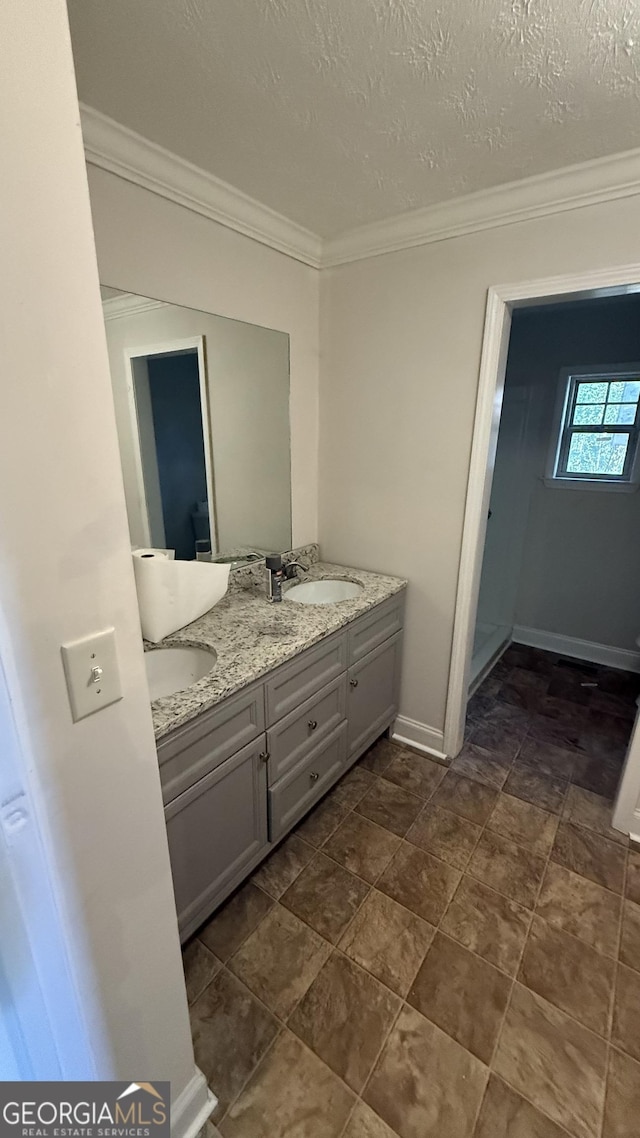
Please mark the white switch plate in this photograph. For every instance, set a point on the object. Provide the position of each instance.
(91, 690)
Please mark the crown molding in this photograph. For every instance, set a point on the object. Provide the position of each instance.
(121, 151)
(125, 305)
(572, 187)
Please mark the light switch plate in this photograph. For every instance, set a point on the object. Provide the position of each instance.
(91, 670)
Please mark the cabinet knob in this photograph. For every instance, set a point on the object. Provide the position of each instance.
(314, 776)
(354, 683)
(312, 724)
(264, 756)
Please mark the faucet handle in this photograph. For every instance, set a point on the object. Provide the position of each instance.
(290, 569)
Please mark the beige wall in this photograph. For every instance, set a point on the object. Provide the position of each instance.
(401, 338)
(155, 248)
(66, 572)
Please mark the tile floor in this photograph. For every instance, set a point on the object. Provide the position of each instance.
(442, 953)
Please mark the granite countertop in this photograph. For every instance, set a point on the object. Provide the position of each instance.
(252, 636)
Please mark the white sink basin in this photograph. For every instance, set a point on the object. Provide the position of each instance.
(170, 670)
(323, 592)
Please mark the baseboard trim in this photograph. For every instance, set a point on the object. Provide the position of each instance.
(581, 649)
(192, 1108)
(418, 735)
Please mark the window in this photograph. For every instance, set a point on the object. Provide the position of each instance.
(597, 426)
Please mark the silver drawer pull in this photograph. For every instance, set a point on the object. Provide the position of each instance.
(312, 724)
(314, 776)
(354, 683)
(264, 756)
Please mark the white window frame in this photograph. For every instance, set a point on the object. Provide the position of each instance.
(567, 378)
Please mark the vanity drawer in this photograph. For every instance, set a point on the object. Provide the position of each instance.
(300, 731)
(304, 676)
(293, 795)
(197, 748)
(374, 627)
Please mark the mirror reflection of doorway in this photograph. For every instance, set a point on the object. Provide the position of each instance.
(170, 404)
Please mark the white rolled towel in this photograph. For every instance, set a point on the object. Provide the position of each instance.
(173, 593)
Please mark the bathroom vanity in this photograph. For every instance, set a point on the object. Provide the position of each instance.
(239, 774)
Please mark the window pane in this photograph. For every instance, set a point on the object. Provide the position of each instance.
(590, 413)
(624, 391)
(620, 413)
(592, 392)
(597, 454)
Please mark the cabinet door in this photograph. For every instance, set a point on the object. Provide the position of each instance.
(373, 694)
(217, 830)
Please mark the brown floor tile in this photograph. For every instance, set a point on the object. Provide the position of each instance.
(481, 704)
(632, 887)
(322, 822)
(524, 688)
(487, 923)
(345, 1017)
(507, 715)
(425, 1085)
(481, 765)
(570, 974)
(420, 882)
(599, 774)
(378, 757)
(559, 730)
(231, 1031)
(498, 740)
(291, 1093)
(390, 807)
(280, 960)
(283, 866)
(591, 856)
(462, 994)
(200, 966)
(611, 704)
(630, 941)
(445, 834)
(526, 825)
(388, 940)
(353, 786)
(415, 773)
(622, 1106)
(547, 759)
(505, 1114)
(507, 868)
(547, 792)
(533, 659)
(626, 1012)
(364, 1123)
(568, 687)
(556, 1063)
(238, 917)
(326, 896)
(592, 811)
(466, 797)
(362, 847)
(581, 908)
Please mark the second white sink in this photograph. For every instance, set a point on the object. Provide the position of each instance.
(323, 592)
(170, 670)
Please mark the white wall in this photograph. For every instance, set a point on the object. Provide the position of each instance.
(401, 338)
(65, 571)
(581, 559)
(248, 390)
(150, 246)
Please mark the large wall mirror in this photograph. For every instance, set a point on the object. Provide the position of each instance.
(202, 408)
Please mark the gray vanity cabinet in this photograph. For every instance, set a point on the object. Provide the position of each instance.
(373, 694)
(238, 778)
(217, 832)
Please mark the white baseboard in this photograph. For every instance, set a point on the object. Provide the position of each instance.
(418, 735)
(581, 649)
(192, 1108)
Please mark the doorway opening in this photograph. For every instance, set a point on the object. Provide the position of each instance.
(550, 558)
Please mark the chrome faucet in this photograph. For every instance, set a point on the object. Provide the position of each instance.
(277, 572)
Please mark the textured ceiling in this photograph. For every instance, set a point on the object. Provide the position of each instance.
(342, 112)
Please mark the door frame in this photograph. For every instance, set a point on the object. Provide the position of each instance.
(501, 300)
(163, 348)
